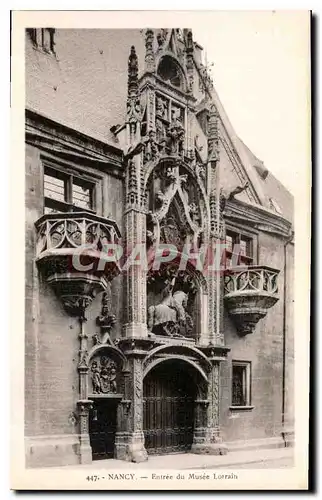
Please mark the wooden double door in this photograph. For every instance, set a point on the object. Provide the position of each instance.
(169, 394)
(102, 428)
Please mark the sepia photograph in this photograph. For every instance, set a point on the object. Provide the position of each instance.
(158, 337)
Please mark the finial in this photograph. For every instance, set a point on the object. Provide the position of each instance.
(189, 41)
(149, 52)
(133, 71)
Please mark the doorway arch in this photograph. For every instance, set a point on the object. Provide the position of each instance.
(169, 394)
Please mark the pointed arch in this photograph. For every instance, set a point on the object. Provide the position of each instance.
(110, 349)
(170, 71)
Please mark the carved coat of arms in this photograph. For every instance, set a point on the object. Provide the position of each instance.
(171, 233)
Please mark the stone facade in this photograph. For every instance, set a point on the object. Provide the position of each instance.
(131, 120)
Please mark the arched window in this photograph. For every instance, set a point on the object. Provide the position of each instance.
(170, 72)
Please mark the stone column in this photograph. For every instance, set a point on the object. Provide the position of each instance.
(83, 360)
(203, 304)
(217, 446)
(84, 405)
(130, 441)
(215, 297)
(200, 426)
(135, 212)
(217, 234)
(207, 439)
(135, 324)
(85, 450)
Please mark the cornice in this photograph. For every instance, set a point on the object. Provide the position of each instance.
(57, 139)
(257, 217)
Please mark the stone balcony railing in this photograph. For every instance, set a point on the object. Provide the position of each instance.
(249, 293)
(71, 254)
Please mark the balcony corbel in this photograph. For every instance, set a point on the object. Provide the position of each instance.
(249, 293)
(72, 256)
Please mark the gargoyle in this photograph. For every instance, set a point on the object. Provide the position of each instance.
(136, 148)
(230, 196)
(237, 190)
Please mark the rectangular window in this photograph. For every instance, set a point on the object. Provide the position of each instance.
(66, 192)
(82, 194)
(54, 187)
(239, 249)
(241, 383)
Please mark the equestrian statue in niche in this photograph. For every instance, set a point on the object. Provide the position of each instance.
(170, 317)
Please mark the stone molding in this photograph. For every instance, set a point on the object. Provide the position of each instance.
(257, 217)
(53, 137)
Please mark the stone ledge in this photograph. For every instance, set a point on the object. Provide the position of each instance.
(52, 451)
(241, 408)
(256, 444)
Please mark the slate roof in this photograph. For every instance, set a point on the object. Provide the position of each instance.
(85, 89)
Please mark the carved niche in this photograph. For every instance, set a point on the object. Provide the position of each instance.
(171, 300)
(176, 207)
(104, 374)
(106, 320)
(166, 132)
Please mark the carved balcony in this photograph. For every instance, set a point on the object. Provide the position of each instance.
(249, 293)
(72, 256)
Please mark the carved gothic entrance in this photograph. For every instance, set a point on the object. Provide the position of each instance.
(169, 394)
(102, 428)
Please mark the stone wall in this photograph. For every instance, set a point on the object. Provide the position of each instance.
(264, 349)
(51, 338)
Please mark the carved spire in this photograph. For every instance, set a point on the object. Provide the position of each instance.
(189, 58)
(149, 51)
(133, 70)
(213, 135)
(206, 83)
(161, 37)
(134, 108)
(217, 199)
(189, 41)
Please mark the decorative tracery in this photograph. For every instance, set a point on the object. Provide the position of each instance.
(170, 71)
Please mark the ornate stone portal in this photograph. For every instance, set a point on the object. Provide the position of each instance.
(172, 201)
(173, 302)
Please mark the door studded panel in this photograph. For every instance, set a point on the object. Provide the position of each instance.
(168, 410)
